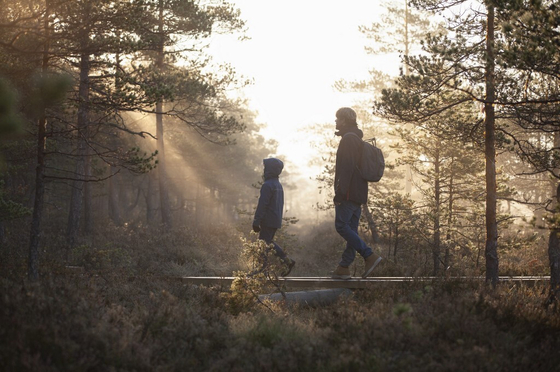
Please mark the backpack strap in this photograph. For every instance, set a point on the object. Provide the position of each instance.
(361, 152)
(372, 140)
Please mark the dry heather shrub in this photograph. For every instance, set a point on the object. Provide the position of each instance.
(268, 342)
(92, 324)
(524, 255)
(264, 269)
(143, 250)
(87, 322)
(523, 305)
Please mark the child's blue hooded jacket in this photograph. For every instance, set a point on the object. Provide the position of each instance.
(271, 200)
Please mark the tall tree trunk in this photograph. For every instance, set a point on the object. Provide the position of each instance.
(162, 173)
(33, 262)
(408, 170)
(390, 238)
(88, 192)
(437, 209)
(447, 257)
(491, 250)
(163, 185)
(151, 207)
(554, 255)
(76, 199)
(396, 248)
(38, 203)
(554, 238)
(113, 200)
(554, 260)
(113, 197)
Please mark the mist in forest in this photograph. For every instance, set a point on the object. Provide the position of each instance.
(132, 139)
(141, 115)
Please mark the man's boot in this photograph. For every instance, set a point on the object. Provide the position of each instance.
(371, 262)
(341, 272)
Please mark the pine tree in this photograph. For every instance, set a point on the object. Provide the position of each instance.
(446, 175)
(462, 65)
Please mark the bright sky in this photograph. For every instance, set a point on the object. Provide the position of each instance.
(297, 50)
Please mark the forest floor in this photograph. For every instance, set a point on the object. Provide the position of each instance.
(107, 322)
(122, 312)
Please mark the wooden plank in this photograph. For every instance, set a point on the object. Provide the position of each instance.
(352, 283)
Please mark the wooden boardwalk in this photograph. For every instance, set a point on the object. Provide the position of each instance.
(356, 282)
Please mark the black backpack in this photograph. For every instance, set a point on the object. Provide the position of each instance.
(372, 162)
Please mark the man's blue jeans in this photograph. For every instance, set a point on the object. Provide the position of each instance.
(346, 221)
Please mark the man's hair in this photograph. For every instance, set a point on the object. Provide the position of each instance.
(347, 114)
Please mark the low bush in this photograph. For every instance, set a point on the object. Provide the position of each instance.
(123, 309)
(94, 323)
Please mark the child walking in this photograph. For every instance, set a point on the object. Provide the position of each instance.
(268, 216)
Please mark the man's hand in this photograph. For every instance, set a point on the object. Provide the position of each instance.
(337, 200)
(256, 228)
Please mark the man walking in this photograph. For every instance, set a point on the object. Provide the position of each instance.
(350, 192)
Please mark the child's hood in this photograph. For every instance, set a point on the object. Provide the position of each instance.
(272, 168)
